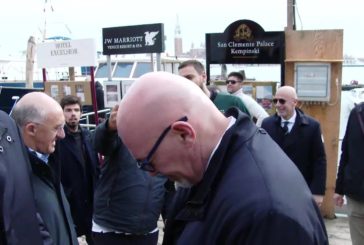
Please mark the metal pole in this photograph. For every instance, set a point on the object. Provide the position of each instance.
(159, 62)
(152, 61)
(109, 68)
(290, 17)
(93, 93)
(44, 73)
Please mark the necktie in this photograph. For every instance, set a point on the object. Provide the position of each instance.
(285, 127)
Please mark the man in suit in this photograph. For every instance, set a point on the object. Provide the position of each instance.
(232, 194)
(299, 136)
(18, 222)
(41, 122)
(350, 181)
(79, 166)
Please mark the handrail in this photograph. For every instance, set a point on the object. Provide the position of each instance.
(86, 116)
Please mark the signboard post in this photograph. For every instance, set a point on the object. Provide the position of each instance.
(69, 53)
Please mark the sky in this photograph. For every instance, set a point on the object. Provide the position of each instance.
(79, 19)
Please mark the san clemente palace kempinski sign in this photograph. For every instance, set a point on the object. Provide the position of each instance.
(245, 41)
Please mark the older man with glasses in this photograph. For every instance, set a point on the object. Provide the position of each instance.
(127, 201)
(228, 164)
(299, 136)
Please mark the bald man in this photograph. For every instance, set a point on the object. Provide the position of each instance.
(41, 122)
(231, 192)
(299, 136)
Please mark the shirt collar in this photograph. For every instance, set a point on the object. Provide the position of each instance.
(291, 120)
(42, 157)
(231, 123)
(238, 92)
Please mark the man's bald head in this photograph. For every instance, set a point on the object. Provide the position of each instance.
(41, 120)
(154, 102)
(34, 106)
(286, 94)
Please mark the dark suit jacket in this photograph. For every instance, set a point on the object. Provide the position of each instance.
(18, 222)
(304, 147)
(78, 178)
(350, 180)
(246, 196)
(51, 201)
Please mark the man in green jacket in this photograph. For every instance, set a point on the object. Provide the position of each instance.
(193, 70)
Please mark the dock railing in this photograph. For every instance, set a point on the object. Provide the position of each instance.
(86, 121)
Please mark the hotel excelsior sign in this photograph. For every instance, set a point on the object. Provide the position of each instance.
(245, 41)
(133, 39)
(80, 52)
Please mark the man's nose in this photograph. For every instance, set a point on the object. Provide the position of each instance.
(60, 133)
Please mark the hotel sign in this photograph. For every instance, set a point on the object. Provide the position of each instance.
(133, 39)
(68, 53)
(245, 41)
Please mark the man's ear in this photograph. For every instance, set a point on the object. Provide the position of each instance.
(185, 131)
(30, 129)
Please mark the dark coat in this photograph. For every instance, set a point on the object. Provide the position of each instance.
(127, 199)
(247, 196)
(350, 180)
(304, 146)
(78, 178)
(18, 222)
(51, 202)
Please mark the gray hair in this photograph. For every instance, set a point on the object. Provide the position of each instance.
(23, 114)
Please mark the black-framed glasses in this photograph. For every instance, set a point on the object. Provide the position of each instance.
(230, 81)
(281, 101)
(146, 164)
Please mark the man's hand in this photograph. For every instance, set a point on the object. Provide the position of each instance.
(338, 200)
(112, 119)
(318, 199)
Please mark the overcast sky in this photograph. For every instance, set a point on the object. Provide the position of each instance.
(80, 19)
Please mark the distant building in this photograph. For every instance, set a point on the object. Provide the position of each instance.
(178, 49)
(193, 53)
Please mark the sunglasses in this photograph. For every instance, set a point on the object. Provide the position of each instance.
(230, 81)
(146, 164)
(281, 101)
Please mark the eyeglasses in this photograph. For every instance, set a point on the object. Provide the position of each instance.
(230, 81)
(146, 164)
(281, 101)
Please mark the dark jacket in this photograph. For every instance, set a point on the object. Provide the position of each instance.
(78, 178)
(247, 196)
(127, 199)
(304, 146)
(51, 202)
(99, 96)
(18, 222)
(350, 180)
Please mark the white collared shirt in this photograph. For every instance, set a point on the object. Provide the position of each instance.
(43, 157)
(231, 123)
(290, 121)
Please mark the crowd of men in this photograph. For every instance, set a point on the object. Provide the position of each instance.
(216, 165)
